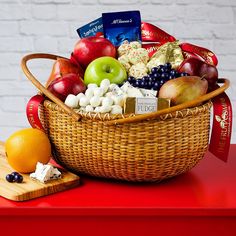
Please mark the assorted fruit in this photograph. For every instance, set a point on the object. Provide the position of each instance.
(194, 66)
(147, 60)
(84, 81)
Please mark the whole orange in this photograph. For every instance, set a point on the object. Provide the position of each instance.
(25, 148)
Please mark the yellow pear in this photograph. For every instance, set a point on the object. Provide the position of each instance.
(183, 89)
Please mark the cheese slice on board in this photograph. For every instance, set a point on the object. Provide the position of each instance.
(30, 188)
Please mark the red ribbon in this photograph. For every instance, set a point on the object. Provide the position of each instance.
(153, 37)
(151, 48)
(151, 33)
(192, 55)
(156, 36)
(207, 55)
(222, 127)
(32, 111)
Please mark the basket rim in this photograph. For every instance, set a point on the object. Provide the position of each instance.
(108, 117)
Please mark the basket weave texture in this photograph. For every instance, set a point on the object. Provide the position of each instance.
(150, 150)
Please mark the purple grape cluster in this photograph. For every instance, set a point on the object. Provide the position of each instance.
(158, 76)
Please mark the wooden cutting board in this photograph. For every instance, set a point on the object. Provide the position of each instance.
(30, 189)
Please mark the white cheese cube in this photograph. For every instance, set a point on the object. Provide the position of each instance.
(119, 99)
(148, 93)
(126, 86)
(112, 86)
(56, 174)
(117, 90)
(43, 173)
(134, 92)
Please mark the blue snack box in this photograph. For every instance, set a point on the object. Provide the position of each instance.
(121, 26)
(91, 29)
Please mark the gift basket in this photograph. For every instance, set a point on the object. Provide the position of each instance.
(134, 147)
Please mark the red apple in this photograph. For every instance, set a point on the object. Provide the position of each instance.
(191, 66)
(63, 66)
(88, 49)
(67, 84)
(210, 72)
(197, 67)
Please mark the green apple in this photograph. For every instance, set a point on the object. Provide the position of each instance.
(105, 68)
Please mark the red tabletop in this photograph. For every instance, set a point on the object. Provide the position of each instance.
(201, 200)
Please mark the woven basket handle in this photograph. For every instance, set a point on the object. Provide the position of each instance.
(30, 76)
(192, 103)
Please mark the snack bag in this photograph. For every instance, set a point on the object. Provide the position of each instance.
(121, 26)
(91, 29)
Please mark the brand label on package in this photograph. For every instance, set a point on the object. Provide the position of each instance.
(121, 26)
(91, 29)
(145, 105)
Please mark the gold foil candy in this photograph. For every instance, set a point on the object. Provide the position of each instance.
(156, 62)
(168, 52)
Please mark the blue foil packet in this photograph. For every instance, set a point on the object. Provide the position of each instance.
(121, 26)
(91, 29)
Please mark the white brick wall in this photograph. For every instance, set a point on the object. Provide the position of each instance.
(49, 26)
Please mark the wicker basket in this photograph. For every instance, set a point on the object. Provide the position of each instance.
(149, 147)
